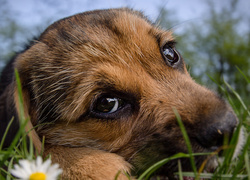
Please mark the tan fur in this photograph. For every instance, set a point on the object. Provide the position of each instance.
(85, 163)
(116, 52)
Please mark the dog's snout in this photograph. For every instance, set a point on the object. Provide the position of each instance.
(219, 132)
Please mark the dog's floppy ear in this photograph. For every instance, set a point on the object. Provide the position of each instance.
(28, 108)
(7, 110)
(29, 126)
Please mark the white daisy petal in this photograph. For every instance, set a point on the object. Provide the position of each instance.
(26, 168)
(39, 161)
(56, 172)
(19, 172)
(54, 176)
(33, 167)
(46, 165)
(54, 169)
(15, 172)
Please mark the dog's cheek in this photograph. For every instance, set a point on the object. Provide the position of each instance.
(109, 135)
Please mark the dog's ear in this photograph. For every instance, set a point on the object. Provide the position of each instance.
(29, 111)
(29, 128)
(7, 111)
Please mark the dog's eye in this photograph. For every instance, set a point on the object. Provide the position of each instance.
(115, 105)
(170, 54)
(108, 105)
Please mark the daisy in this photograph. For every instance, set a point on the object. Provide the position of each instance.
(36, 170)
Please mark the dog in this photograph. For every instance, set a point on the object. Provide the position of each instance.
(103, 88)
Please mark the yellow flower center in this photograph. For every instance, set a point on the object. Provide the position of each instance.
(37, 176)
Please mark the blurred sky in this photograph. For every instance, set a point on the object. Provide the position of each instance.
(35, 15)
(36, 11)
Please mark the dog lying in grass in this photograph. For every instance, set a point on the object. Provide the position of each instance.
(101, 87)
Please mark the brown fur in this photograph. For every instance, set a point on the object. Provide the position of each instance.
(115, 52)
(86, 163)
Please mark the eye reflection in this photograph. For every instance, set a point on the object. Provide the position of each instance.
(170, 54)
(108, 104)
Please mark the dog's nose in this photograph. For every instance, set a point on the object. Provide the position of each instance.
(217, 131)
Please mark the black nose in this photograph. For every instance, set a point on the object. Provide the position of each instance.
(217, 130)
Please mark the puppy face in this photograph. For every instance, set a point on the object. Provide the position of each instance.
(110, 80)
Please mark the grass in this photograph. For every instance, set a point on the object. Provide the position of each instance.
(238, 168)
(19, 148)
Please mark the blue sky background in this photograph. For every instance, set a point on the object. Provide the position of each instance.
(36, 11)
(35, 15)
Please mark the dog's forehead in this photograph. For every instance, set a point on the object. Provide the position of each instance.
(116, 36)
(109, 32)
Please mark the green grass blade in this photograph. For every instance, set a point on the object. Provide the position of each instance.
(229, 152)
(117, 175)
(246, 157)
(159, 164)
(211, 176)
(187, 141)
(10, 167)
(246, 78)
(238, 97)
(6, 132)
(23, 121)
(146, 174)
(180, 170)
(243, 160)
(20, 97)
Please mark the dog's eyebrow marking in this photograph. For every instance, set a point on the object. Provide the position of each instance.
(162, 37)
(107, 80)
